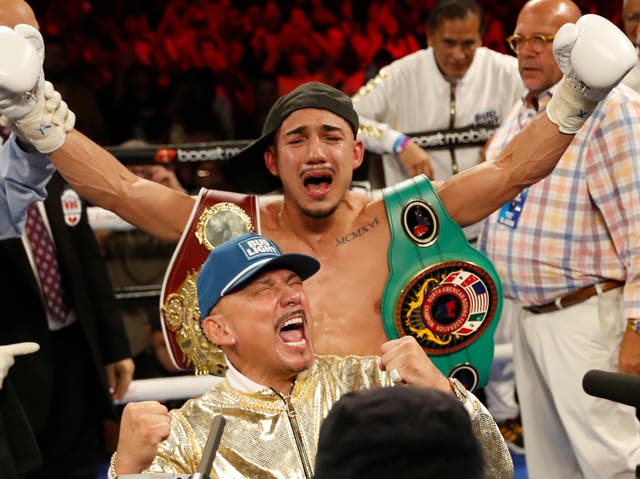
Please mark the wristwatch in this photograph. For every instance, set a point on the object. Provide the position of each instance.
(634, 324)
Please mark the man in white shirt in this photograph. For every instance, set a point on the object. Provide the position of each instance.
(454, 84)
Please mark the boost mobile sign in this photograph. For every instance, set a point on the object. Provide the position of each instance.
(217, 153)
(454, 138)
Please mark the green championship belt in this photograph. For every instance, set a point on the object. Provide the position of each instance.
(440, 290)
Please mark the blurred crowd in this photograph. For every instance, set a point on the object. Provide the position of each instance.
(173, 71)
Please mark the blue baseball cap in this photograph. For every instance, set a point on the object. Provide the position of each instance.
(236, 261)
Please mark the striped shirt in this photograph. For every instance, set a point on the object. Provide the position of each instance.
(581, 224)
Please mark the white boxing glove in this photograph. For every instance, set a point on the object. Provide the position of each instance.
(594, 55)
(30, 107)
(8, 352)
(21, 58)
(45, 127)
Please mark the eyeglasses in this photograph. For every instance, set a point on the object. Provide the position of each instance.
(632, 17)
(538, 42)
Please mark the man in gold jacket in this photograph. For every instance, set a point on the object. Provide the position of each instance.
(276, 392)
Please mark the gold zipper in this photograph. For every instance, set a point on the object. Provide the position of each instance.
(295, 427)
(452, 120)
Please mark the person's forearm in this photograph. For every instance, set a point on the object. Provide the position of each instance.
(101, 179)
(532, 154)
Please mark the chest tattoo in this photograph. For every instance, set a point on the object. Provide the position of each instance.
(357, 233)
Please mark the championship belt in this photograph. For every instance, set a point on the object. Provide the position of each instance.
(217, 217)
(440, 289)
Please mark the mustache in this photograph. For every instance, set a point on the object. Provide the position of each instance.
(292, 314)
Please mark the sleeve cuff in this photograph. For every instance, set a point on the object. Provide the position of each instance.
(468, 400)
(392, 140)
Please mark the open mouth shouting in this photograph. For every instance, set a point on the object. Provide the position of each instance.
(317, 183)
(292, 331)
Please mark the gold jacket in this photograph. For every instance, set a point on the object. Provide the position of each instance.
(268, 435)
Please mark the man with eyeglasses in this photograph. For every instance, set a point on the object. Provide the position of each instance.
(567, 252)
(631, 24)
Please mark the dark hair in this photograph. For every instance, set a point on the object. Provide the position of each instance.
(454, 9)
(405, 432)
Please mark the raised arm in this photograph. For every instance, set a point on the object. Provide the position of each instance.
(34, 111)
(594, 56)
(474, 194)
(100, 178)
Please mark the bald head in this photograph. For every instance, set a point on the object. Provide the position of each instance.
(557, 11)
(13, 12)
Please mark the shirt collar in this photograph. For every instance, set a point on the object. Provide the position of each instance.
(539, 102)
(239, 381)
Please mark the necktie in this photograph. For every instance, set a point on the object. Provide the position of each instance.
(46, 264)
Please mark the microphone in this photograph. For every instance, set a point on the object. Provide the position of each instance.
(618, 387)
(206, 462)
(211, 447)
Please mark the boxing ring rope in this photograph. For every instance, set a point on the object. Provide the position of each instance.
(155, 154)
(167, 389)
(181, 153)
(470, 136)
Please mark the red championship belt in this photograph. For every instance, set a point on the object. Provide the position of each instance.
(217, 217)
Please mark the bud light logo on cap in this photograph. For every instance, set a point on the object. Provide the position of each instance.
(258, 247)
